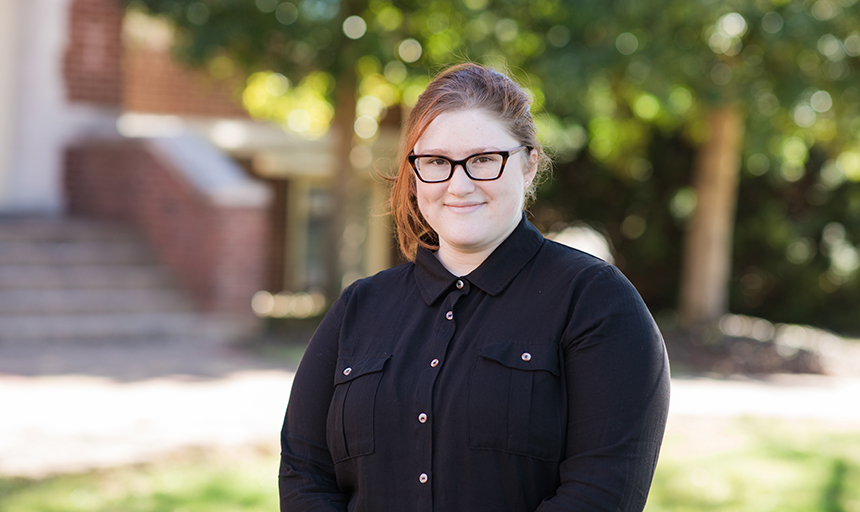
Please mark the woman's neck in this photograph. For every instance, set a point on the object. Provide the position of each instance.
(462, 263)
(462, 260)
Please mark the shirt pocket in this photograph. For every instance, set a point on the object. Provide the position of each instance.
(350, 416)
(516, 400)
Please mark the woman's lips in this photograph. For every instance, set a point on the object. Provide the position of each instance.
(464, 207)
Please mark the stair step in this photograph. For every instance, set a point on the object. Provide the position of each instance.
(67, 301)
(47, 229)
(137, 326)
(84, 276)
(65, 280)
(74, 253)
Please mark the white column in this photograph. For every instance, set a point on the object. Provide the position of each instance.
(34, 183)
(8, 65)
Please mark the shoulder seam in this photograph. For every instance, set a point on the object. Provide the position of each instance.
(606, 268)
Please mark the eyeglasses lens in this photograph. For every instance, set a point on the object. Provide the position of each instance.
(434, 168)
(485, 166)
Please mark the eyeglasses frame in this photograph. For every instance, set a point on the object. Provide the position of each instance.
(412, 157)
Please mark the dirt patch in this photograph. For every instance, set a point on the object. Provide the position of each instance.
(712, 351)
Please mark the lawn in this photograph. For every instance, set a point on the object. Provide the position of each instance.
(757, 465)
(192, 481)
(738, 465)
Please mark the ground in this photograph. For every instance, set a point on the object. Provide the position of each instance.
(69, 407)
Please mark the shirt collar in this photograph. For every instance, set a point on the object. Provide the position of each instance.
(492, 276)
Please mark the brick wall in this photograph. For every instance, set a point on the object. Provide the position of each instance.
(100, 67)
(92, 64)
(156, 83)
(218, 252)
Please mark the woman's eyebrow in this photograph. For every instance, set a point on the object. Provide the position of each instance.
(444, 152)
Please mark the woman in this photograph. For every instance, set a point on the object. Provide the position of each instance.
(496, 371)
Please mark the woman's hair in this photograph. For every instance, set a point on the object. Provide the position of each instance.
(461, 87)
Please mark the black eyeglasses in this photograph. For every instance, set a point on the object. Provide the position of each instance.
(480, 167)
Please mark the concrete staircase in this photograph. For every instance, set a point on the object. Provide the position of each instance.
(75, 279)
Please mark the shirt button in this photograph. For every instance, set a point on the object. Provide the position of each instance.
(526, 356)
(434, 363)
(347, 371)
(459, 284)
(423, 478)
(449, 315)
(422, 418)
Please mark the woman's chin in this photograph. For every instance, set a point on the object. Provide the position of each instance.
(466, 243)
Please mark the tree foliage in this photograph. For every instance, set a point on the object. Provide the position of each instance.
(641, 78)
(623, 91)
(298, 53)
(792, 66)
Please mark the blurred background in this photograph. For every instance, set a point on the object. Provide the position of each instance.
(186, 186)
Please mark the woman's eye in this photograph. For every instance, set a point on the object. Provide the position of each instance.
(486, 160)
(437, 161)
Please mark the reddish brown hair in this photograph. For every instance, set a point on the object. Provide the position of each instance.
(461, 87)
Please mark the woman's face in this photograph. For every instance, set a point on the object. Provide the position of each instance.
(473, 216)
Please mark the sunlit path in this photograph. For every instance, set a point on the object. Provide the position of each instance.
(778, 396)
(69, 423)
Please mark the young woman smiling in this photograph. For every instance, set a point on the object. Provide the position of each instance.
(497, 370)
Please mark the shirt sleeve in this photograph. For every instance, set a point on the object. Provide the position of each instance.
(617, 379)
(306, 480)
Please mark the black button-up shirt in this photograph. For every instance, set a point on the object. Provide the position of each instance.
(537, 382)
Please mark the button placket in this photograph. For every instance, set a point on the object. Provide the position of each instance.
(424, 403)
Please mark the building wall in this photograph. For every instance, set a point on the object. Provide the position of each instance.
(33, 179)
(92, 58)
(8, 66)
(217, 251)
(74, 66)
(56, 40)
(156, 83)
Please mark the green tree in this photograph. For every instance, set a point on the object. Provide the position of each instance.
(344, 62)
(766, 80)
(756, 85)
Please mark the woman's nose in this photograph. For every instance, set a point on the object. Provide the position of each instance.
(460, 182)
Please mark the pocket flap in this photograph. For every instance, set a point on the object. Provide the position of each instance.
(348, 368)
(524, 356)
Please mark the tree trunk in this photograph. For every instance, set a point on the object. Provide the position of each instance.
(708, 244)
(343, 190)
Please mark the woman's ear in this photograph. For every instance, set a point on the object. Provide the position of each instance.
(531, 169)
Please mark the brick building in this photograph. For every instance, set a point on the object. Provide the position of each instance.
(97, 119)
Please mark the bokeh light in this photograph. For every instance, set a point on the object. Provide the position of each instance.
(409, 50)
(287, 304)
(354, 27)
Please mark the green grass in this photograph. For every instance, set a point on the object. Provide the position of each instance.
(710, 465)
(758, 466)
(191, 482)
